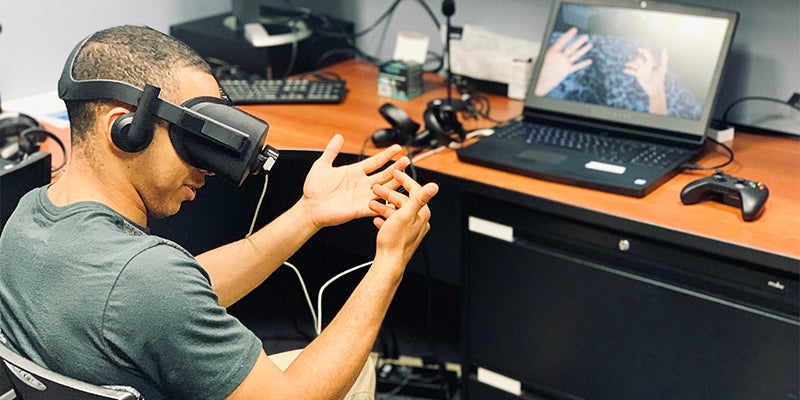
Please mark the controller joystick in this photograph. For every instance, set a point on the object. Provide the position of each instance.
(749, 196)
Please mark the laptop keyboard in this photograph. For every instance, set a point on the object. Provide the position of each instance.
(604, 148)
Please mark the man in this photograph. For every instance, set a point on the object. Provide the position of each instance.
(87, 292)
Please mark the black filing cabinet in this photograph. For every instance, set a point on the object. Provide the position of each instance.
(562, 303)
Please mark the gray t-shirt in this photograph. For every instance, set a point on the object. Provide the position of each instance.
(87, 293)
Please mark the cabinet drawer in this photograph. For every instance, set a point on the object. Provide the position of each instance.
(550, 301)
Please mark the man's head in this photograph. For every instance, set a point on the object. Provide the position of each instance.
(206, 131)
(135, 55)
(154, 180)
(146, 112)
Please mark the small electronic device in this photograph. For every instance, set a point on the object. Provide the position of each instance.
(17, 178)
(283, 91)
(749, 196)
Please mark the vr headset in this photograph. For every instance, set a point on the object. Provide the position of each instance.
(207, 132)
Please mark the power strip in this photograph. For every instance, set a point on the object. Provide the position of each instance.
(419, 382)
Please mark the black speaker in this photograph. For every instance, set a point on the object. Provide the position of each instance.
(210, 38)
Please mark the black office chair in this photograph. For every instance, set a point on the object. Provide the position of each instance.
(32, 382)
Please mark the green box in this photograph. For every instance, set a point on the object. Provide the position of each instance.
(400, 80)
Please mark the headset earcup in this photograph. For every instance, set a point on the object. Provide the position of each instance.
(384, 137)
(29, 142)
(433, 127)
(13, 143)
(123, 138)
(402, 131)
(15, 125)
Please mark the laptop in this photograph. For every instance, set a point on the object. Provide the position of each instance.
(620, 98)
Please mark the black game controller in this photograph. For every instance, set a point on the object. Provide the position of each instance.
(749, 196)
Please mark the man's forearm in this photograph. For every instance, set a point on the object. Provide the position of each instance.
(239, 267)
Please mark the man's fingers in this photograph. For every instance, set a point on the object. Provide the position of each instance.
(371, 164)
(420, 195)
(332, 149)
(387, 175)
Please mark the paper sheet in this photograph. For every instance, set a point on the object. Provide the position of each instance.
(483, 54)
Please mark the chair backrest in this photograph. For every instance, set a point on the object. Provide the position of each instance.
(33, 382)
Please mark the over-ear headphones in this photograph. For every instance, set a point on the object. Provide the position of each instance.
(441, 121)
(207, 132)
(21, 135)
(441, 127)
(133, 132)
(122, 138)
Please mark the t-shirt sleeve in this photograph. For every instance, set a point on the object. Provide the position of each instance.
(163, 319)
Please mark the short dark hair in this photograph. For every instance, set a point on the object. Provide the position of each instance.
(136, 55)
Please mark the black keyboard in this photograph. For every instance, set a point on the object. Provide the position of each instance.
(283, 91)
(605, 148)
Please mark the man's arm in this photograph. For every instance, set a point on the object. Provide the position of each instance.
(331, 196)
(237, 268)
(330, 364)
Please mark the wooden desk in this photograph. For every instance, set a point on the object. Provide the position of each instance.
(772, 160)
(627, 297)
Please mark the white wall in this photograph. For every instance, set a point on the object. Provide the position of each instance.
(764, 59)
(38, 35)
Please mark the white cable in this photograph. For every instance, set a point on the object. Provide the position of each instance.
(315, 317)
(453, 145)
(428, 154)
(480, 132)
(305, 291)
(258, 206)
(322, 289)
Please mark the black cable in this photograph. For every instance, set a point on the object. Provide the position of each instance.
(436, 57)
(696, 167)
(384, 33)
(359, 53)
(477, 104)
(411, 167)
(295, 45)
(750, 98)
(431, 14)
(363, 152)
(386, 14)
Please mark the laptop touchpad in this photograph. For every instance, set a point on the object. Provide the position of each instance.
(542, 156)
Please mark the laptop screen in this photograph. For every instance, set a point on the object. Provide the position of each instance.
(650, 65)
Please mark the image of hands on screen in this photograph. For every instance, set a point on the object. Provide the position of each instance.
(561, 59)
(638, 60)
(566, 56)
